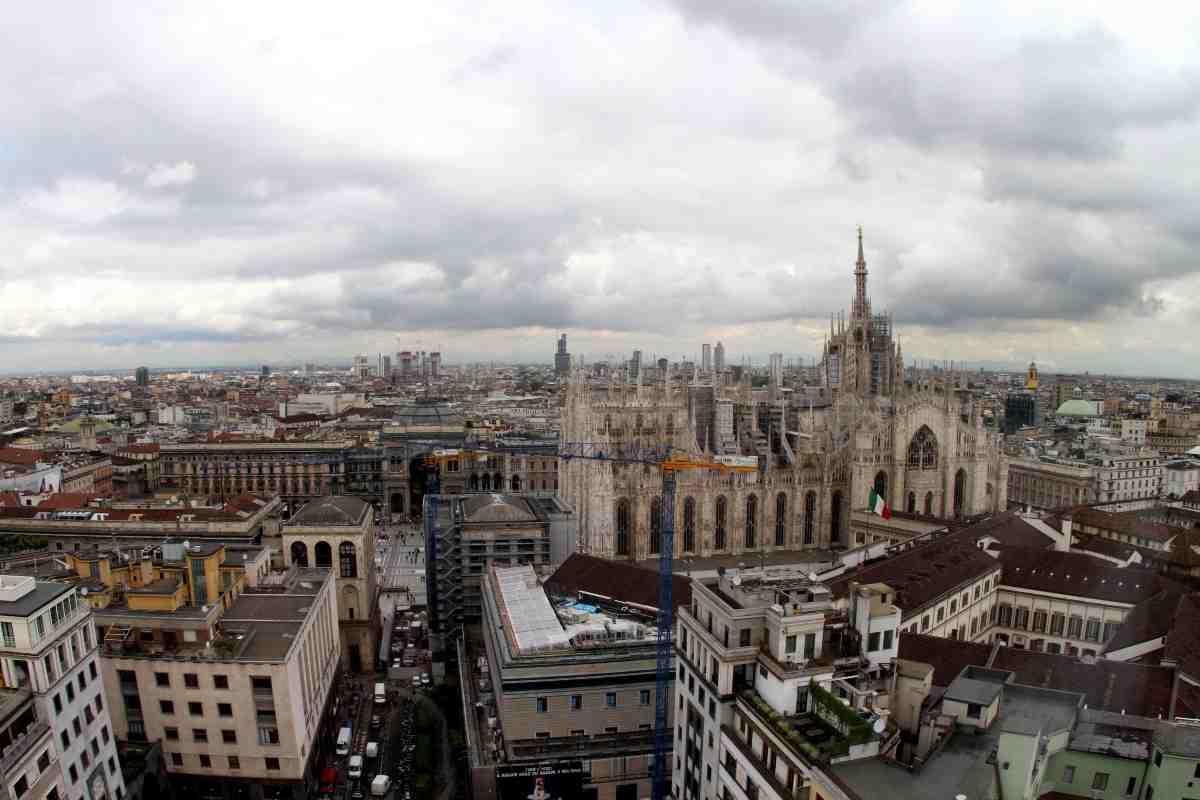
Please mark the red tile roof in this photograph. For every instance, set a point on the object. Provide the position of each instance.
(1183, 642)
(947, 656)
(20, 455)
(146, 447)
(1075, 574)
(619, 580)
(66, 501)
(924, 573)
(1123, 522)
(1149, 619)
(1108, 685)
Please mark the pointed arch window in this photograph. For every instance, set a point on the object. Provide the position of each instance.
(348, 560)
(622, 527)
(835, 518)
(751, 522)
(923, 450)
(810, 516)
(780, 519)
(689, 525)
(721, 516)
(656, 525)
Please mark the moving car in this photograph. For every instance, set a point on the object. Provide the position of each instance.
(356, 767)
(380, 786)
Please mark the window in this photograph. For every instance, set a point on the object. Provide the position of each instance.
(576, 702)
(974, 710)
(112, 768)
(887, 639)
(268, 734)
(235, 762)
(66, 740)
(722, 508)
(644, 697)
(224, 710)
(611, 729)
(78, 728)
(1158, 759)
(1056, 624)
(744, 637)
(1092, 634)
(1100, 781)
(873, 642)
(272, 763)
(610, 699)
(92, 669)
(43, 761)
(75, 772)
(924, 623)
(790, 644)
(220, 681)
(1075, 627)
(1039, 621)
(751, 522)
(1130, 786)
(21, 786)
(229, 737)
(196, 709)
(623, 527)
(70, 692)
(95, 747)
(177, 759)
(172, 734)
(941, 613)
(689, 525)
(205, 761)
(543, 705)
(780, 519)
(191, 680)
(162, 679)
(99, 704)
(199, 735)
(58, 706)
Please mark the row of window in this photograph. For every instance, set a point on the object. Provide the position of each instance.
(720, 519)
(77, 726)
(228, 736)
(21, 787)
(575, 701)
(195, 709)
(232, 762)
(1076, 626)
(190, 680)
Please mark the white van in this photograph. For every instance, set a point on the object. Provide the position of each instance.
(380, 786)
(343, 741)
(380, 693)
(355, 768)
(372, 749)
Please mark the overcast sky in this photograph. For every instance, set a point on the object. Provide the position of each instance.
(235, 183)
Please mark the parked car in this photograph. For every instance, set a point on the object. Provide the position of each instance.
(416, 681)
(425, 680)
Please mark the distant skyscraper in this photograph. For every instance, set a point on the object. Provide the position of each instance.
(562, 359)
(435, 364)
(635, 364)
(385, 368)
(142, 376)
(663, 364)
(706, 357)
(407, 360)
(776, 370)
(266, 371)
(310, 369)
(719, 357)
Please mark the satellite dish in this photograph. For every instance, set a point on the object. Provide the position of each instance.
(880, 725)
(83, 591)
(812, 576)
(737, 580)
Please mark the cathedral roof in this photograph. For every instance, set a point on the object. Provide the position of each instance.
(1077, 408)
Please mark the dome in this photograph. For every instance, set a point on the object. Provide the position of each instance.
(497, 508)
(1077, 408)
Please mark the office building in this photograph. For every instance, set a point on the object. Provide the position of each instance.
(719, 357)
(238, 697)
(142, 376)
(562, 359)
(706, 357)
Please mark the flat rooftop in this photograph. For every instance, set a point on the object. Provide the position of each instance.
(962, 766)
(43, 592)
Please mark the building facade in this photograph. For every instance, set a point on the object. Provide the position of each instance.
(920, 445)
(338, 534)
(48, 646)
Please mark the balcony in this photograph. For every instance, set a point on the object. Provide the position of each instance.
(22, 744)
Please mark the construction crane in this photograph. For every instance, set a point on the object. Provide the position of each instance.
(670, 462)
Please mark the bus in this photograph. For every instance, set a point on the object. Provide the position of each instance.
(343, 741)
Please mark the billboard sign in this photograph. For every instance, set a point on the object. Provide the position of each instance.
(562, 780)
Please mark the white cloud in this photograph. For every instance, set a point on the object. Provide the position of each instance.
(167, 175)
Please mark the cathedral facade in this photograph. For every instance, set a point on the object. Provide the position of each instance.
(921, 444)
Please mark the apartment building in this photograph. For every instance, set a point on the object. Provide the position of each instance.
(29, 765)
(239, 700)
(565, 682)
(48, 647)
(338, 533)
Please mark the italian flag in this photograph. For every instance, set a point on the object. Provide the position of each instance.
(876, 505)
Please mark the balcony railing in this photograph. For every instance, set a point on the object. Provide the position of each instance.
(627, 743)
(21, 745)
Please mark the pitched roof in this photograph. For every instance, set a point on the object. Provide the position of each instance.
(1123, 522)
(1183, 641)
(1012, 530)
(1075, 574)
(20, 455)
(946, 656)
(336, 510)
(1149, 619)
(924, 573)
(619, 580)
(1143, 690)
(66, 501)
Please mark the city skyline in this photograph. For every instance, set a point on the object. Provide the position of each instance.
(187, 188)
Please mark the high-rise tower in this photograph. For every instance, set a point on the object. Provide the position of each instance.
(562, 359)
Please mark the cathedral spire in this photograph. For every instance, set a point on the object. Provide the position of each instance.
(861, 308)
